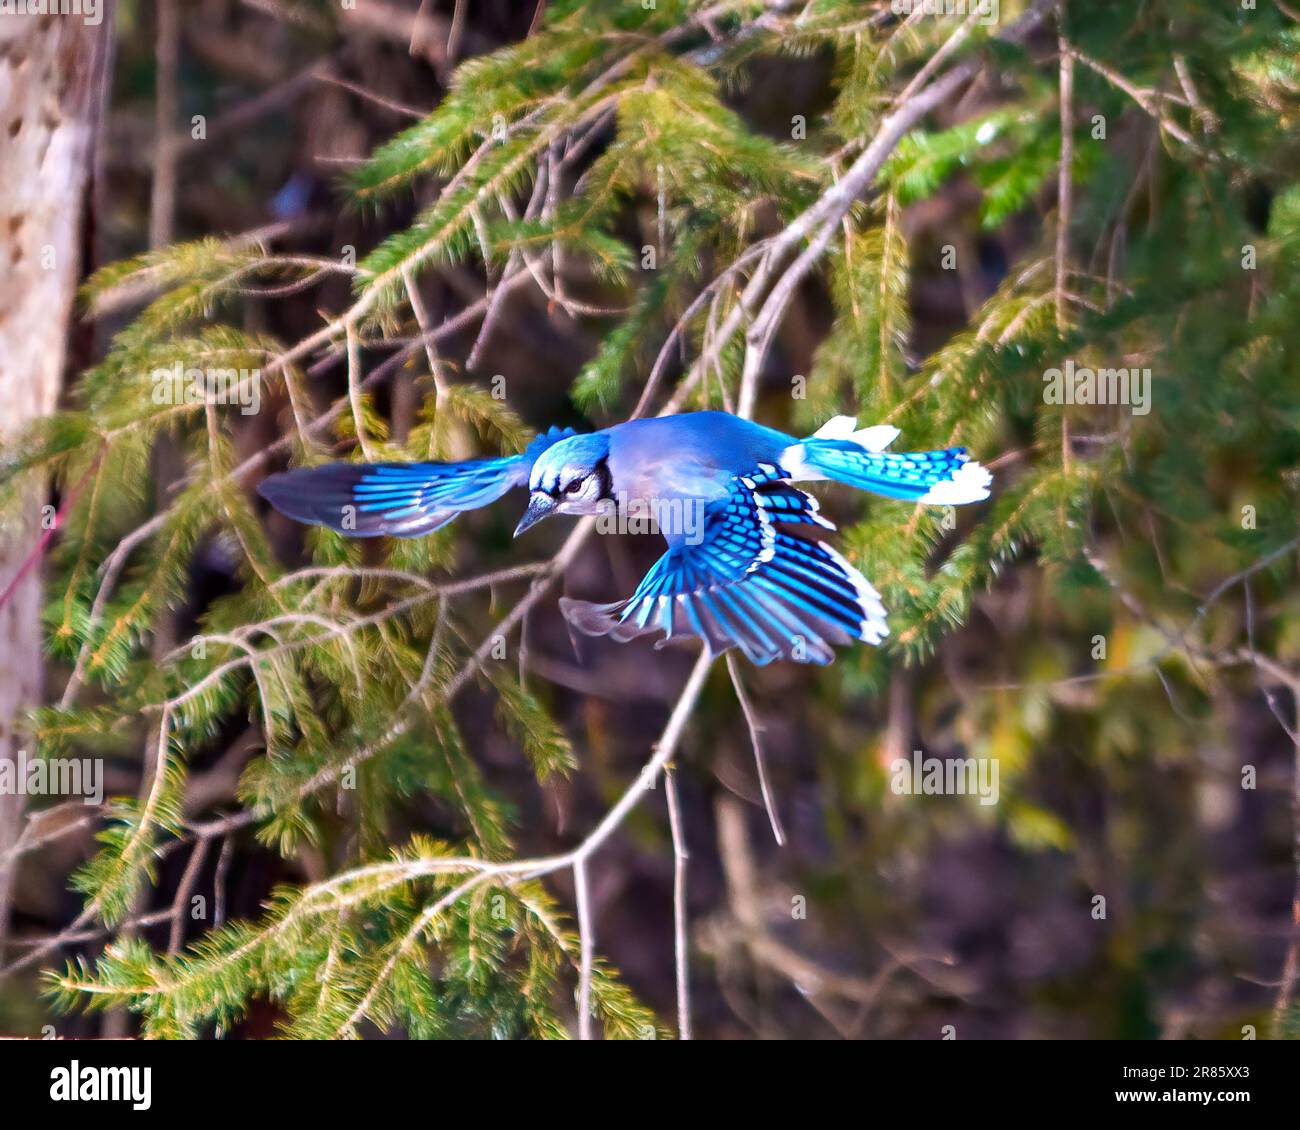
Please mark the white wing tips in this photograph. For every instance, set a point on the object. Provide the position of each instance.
(969, 483)
(875, 625)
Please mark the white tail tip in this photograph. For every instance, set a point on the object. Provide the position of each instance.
(969, 483)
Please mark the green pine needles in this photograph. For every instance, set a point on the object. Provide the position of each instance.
(606, 143)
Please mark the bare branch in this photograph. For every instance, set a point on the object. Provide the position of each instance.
(760, 760)
(681, 931)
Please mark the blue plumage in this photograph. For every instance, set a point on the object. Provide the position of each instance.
(748, 584)
(749, 576)
(405, 500)
(909, 477)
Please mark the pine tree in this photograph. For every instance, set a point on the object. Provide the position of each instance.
(1132, 576)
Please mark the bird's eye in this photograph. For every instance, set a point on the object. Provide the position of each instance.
(574, 487)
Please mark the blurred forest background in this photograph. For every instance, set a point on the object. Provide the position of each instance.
(435, 227)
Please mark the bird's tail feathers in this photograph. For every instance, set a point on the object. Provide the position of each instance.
(840, 451)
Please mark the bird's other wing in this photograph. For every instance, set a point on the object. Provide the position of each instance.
(404, 500)
(751, 582)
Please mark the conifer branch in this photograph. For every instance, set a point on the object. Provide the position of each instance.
(606, 131)
(1147, 100)
(821, 220)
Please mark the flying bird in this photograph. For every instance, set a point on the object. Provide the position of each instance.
(749, 573)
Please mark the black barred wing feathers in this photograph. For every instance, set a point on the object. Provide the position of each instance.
(752, 581)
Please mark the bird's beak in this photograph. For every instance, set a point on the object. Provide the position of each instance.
(540, 505)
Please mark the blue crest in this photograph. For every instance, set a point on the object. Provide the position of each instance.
(571, 458)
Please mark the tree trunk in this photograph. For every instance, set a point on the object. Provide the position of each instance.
(52, 72)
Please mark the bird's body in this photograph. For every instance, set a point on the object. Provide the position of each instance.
(651, 461)
(748, 575)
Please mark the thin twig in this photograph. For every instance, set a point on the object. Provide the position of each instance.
(586, 940)
(681, 932)
(1145, 99)
(188, 879)
(760, 760)
(219, 880)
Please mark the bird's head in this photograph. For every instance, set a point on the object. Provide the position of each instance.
(569, 477)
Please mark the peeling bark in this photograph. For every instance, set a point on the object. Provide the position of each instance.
(52, 72)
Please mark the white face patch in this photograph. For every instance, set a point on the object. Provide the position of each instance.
(580, 495)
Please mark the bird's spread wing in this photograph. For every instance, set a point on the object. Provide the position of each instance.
(405, 500)
(752, 581)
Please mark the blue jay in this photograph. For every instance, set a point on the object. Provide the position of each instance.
(746, 574)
